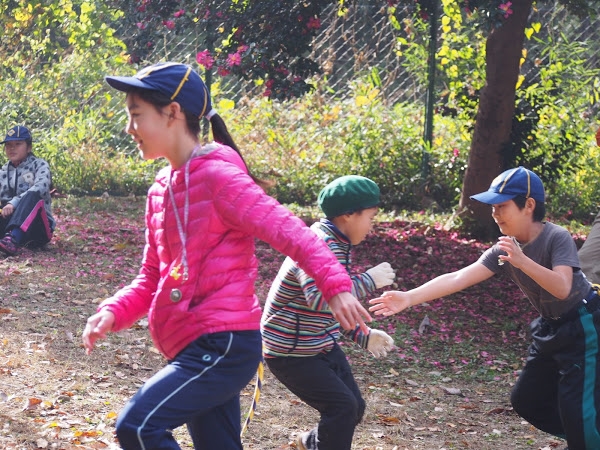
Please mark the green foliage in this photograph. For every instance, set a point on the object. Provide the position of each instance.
(304, 144)
(265, 41)
(83, 164)
(550, 131)
(53, 83)
(35, 34)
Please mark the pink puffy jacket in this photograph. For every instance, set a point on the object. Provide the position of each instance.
(227, 210)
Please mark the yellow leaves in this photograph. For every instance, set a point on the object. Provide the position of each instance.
(535, 28)
(523, 57)
(520, 81)
(446, 28)
(332, 115)
(453, 71)
(226, 105)
(23, 14)
(363, 100)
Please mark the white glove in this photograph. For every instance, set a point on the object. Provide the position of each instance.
(382, 275)
(380, 343)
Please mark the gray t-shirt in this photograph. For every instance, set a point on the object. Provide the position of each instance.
(553, 247)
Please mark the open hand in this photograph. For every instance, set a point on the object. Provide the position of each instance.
(390, 302)
(96, 328)
(348, 311)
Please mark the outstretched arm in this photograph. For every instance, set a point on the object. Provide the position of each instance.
(392, 302)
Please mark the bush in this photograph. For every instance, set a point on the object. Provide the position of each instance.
(304, 144)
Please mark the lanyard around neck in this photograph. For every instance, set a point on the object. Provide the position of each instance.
(182, 227)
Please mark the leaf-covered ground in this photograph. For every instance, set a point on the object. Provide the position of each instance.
(446, 386)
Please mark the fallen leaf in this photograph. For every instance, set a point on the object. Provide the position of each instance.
(452, 391)
(31, 403)
(425, 325)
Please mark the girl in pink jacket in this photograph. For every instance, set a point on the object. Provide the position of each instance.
(196, 284)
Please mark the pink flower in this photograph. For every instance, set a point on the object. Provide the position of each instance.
(455, 152)
(505, 7)
(140, 25)
(222, 71)
(234, 59)
(169, 24)
(205, 59)
(179, 13)
(313, 23)
(242, 48)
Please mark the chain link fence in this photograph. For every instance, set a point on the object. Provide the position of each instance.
(353, 45)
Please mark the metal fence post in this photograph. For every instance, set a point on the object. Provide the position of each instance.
(430, 99)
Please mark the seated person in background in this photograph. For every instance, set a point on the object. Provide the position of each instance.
(26, 217)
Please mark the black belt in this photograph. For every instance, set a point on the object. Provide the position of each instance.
(591, 302)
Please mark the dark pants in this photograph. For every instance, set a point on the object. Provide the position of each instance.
(324, 382)
(199, 388)
(558, 390)
(30, 216)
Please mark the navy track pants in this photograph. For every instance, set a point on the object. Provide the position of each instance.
(558, 390)
(199, 388)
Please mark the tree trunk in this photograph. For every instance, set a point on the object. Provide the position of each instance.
(492, 131)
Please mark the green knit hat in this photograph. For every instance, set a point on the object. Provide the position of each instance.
(348, 194)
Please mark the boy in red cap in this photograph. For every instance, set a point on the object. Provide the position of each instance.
(558, 390)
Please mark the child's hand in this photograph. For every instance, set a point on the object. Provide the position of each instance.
(389, 303)
(514, 254)
(96, 328)
(348, 311)
(380, 343)
(382, 275)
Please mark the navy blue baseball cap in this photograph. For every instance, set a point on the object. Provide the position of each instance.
(513, 183)
(178, 81)
(17, 133)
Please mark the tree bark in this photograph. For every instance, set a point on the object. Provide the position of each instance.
(493, 123)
